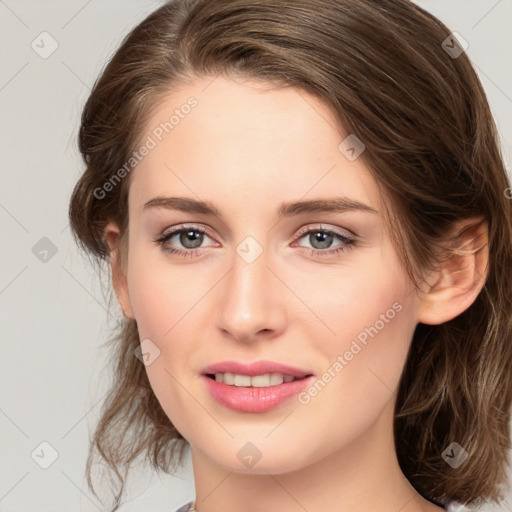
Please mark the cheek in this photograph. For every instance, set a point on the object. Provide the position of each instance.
(359, 300)
(163, 300)
(369, 315)
(363, 366)
(162, 305)
(160, 294)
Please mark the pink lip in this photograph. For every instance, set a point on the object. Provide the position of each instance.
(249, 399)
(256, 368)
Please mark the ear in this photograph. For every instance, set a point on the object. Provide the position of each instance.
(118, 249)
(457, 282)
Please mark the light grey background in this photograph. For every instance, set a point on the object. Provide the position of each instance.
(54, 313)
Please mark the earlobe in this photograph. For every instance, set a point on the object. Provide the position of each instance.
(454, 286)
(118, 270)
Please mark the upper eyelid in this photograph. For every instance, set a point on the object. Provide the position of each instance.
(180, 228)
(304, 230)
(321, 227)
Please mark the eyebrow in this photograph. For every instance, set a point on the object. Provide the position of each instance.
(287, 209)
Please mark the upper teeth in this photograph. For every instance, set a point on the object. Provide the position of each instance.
(258, 381)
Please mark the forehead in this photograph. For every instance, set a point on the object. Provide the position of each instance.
(248, 145)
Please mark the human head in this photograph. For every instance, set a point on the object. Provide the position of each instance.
(417, 121)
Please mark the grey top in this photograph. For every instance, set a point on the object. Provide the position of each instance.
(185, 507)
(452, 506)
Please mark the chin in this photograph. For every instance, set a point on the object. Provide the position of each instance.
(265, 459)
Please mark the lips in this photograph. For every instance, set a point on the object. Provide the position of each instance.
(255, 368)
(255, 399)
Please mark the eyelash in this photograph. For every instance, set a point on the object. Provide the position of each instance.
(347, 242)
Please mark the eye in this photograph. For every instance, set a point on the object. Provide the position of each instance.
(191, 237)
(321, 239)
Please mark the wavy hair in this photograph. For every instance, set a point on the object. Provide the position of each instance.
(431, 145)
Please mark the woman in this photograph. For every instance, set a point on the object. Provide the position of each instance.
(304, 209)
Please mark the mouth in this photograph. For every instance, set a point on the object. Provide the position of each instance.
(260, 369)
(254, 387)
(256, 381)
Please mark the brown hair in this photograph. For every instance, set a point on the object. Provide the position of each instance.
(431, 144)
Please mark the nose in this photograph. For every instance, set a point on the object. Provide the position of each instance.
(252, 304)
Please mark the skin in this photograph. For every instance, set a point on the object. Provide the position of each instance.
(246, 147)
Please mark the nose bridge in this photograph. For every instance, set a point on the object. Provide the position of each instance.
(250, 304)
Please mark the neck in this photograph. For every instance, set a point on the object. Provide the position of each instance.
(361, 476)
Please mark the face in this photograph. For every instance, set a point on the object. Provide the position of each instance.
(316, 289)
